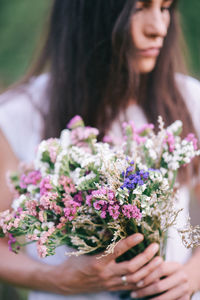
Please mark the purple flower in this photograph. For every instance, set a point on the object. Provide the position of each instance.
(146, 175)
(11, 243)
(131, 180)
(140, 182)
(78, 197)
(129, 169)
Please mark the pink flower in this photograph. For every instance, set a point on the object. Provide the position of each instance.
(130, 130)
(43, 238)
(107, 139)
(16, 223)
(99, 193)
(101, 205)
(75, 122)
(191, 138)
(145, 127)
(171, 141)
(31, 207)
(45, 201)
(53, 149)
(89, 200)
(83, 134)
(42, 251)
(60, 225)
(67, 184)
(32, 177)
(131, 211)
(33, 237)
(114, 211)
(56, 208)
(47, 198)
(41, 216)
(45, 186)
(111, 195)
(70, 211)
(103, 214)
(51, 230)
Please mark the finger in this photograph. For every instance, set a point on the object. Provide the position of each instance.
(174, 293)
(133, 265)
(169, 283)
(187, 297)
(125, 244)
(165, 269)
(116, 284)
(138, 276)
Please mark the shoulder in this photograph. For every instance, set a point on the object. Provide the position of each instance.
(190, 90)
(188, 84)
(30, 93)
(21, 114)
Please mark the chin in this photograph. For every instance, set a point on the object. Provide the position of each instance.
(146, 66)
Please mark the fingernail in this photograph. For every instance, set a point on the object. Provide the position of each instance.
(155, 247)
(140, 283)
(158, 262)
(134, 295)
(138, 237)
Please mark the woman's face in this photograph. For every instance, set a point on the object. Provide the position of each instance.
(149, 27)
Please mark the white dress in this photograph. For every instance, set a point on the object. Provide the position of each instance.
(22, 124)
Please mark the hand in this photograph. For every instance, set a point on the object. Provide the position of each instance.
(87, 274)
(172, 279)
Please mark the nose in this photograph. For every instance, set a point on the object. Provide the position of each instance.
(157, 24)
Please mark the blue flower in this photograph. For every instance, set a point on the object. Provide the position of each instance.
(131, 180)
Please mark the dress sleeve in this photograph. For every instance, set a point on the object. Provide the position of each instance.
(21, 119)
(190, 90)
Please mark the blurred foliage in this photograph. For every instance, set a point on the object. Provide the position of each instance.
(22, 21)
(191, 28)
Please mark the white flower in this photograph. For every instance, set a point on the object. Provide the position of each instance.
(31, 188)
(65, 138)
(36, 232)
(153, 154)
(48, 225)
(175, 127)
(173, 165)
(17, 202)
(149, 144)
(54, 179)
(139, 189)
(75, 175)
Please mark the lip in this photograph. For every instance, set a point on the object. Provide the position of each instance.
(149, 52)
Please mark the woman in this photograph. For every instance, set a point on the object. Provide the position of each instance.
(107, 60)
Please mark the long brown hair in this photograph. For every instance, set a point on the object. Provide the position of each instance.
(89, 54)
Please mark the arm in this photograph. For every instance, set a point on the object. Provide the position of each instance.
(16, 269)
(77, 274)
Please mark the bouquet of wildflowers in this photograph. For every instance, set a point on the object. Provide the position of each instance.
(89, 195)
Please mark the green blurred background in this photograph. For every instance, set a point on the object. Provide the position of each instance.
(21, 25)
(22, 21)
